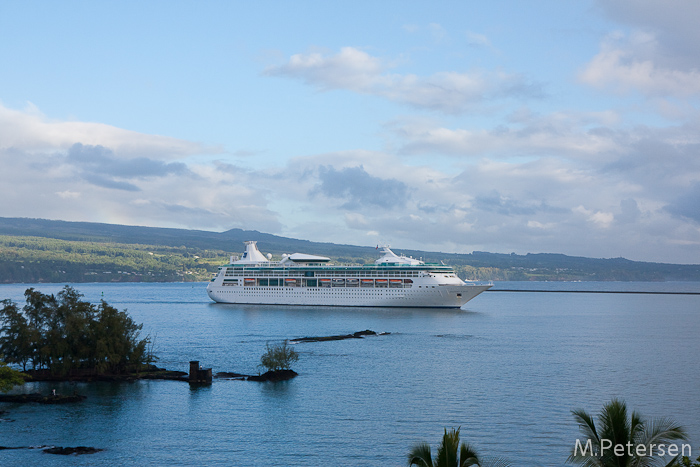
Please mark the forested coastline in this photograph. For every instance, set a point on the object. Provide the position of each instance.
(44, 251)
(42, 260)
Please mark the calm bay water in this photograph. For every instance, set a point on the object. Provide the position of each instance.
(508, 369)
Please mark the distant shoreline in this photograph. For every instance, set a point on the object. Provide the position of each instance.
(641, 292)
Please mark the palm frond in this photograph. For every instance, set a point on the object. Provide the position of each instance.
(662, 430)
(615, 427)
(586, 425)
(420, 455)
(658, 431)
(614, 424)
(468, 455)
(448, 449)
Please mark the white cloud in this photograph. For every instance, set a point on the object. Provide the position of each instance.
(67, 194)
(561, 202)
(599, 218)
(93, 172)
(672, 25)
(475, 39)
(658, 57)
(539, 225)
(570, 135)
(32, 131)
(446, 91)
(622, 66)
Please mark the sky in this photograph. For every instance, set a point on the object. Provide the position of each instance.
(456, 126)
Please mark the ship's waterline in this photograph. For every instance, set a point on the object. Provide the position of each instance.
(301, 279)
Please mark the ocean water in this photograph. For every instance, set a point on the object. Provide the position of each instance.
(508, 369)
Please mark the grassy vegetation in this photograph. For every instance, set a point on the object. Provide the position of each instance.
(36, 250)
(38, 259)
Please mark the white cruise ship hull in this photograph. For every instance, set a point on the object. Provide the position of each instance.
(301, 279)
(429, 297)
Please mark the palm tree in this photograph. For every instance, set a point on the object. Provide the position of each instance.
(615, 428)
(450, 454)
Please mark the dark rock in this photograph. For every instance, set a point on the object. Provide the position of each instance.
(278, 375)
(230, 375)
(166, 375)
(355, 335)
(68, 450)
(151, 372)
(38, 398)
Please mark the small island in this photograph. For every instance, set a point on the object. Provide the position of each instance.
(277, 359)
(65, 338)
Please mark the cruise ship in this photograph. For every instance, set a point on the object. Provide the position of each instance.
(301, 279)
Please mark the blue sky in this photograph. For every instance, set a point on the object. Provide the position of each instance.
(510, 126)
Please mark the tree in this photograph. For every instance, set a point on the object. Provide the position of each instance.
(451, 454)
(616, 428)
(9, 377)
(66, 333)
(116, 336)
(15, 335)
(278, 357)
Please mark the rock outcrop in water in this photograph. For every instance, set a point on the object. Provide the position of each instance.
(277, 375)
(41, 399)
(152, 372)
(67, 451)
(354, 335)
(78, 450)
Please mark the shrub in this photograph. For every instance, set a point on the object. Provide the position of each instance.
(9, 377)
(278, 357)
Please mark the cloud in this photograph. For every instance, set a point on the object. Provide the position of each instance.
(562, 134)
(446, 91)
(537, 185)
(132, 182)
(687, 205)
(478, 40)
(360, 189)
(660, 57)
(621, 67)
(30, 130)
(673, 27)
(100, 166)
(496, 202)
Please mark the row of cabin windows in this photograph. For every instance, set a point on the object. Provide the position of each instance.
(230, 272)
(322, 283)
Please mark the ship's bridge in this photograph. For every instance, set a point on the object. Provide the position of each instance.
(392, 259)
(303, 259)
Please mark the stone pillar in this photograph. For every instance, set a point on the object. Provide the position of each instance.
(199, 375)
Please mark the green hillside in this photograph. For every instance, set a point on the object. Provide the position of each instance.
(38, 250)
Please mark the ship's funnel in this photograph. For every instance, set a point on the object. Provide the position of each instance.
(252, 254)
